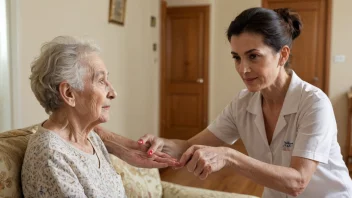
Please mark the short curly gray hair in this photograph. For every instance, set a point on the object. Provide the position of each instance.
(61, 59)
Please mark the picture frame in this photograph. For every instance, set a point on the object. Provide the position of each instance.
(117, 11)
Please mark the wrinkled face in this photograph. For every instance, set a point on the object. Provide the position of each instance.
(256, 63)
(93, 103)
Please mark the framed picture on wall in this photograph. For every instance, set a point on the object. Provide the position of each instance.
(117, 11)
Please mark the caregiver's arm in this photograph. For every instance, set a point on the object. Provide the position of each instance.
(204, 160)
(291, 180)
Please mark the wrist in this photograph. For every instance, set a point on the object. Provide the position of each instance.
(175, 147)
(230, 156)
(187, 144)
(117, 150)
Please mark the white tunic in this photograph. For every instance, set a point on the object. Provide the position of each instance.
(52, 167)
(306, 128)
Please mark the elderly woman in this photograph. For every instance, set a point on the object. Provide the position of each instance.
(65, 158)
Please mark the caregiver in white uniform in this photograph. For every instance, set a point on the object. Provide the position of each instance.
(287, 125)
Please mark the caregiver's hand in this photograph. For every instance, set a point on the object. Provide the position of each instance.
(204, 160)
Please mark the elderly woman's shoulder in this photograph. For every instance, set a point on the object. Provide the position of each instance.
(43, 141)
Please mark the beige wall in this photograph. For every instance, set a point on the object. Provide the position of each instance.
(224, 80)
(127, 52)
(171, 3)
(341, 73)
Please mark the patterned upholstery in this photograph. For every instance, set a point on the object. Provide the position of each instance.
(12, 148)
(138, 182)
(178, 191)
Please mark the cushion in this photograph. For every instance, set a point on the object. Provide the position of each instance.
(13, 145)
(138, 182)
(178, 191)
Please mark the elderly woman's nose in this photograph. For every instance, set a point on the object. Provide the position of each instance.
(112, 93)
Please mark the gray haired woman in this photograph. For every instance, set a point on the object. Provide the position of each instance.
(65, 158)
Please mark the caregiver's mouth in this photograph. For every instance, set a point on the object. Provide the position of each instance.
(250, 79)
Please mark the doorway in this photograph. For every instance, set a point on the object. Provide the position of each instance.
(184, 70)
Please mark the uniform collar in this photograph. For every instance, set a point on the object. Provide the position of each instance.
(291, 101)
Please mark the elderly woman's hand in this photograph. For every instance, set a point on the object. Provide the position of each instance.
(136, 155)
(204, 160)
(132, 152)
(174, 148)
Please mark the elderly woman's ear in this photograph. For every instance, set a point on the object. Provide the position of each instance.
(66, 93)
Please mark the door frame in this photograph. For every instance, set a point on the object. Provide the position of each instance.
(328, 30)
(163, 66)
(163, 18)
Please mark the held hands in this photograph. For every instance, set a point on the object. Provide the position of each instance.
(174, 148)
(153, 143)
(136, 155)
(199, 159)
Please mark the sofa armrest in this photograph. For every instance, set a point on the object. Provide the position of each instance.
(171, 190)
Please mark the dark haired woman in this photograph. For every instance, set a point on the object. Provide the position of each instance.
(287, 125)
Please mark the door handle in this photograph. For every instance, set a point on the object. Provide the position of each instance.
(315, 79)
(200, 80)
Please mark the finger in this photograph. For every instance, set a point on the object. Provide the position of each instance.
(154, 142)
(149, 162)
(192, 164)
(164, 155)
(155, 146)
(200, 167)
(143, 148)
(155, 164)
(168, 161)
(205, 173)
(186, 156)
(145, 138)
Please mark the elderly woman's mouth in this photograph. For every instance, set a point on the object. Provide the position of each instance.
(106, 107)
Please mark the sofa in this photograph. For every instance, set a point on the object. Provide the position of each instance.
(138, 182)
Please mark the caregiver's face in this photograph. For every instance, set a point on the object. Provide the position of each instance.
(255, 62)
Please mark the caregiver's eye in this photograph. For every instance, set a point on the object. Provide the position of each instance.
(253, 56)
(236, 58)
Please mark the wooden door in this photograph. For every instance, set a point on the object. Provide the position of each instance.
(184, 71)
(311, 50)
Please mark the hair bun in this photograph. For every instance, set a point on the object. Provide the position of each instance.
(292, 19)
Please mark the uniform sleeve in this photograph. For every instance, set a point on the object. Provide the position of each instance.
(57, 179)
(316, 129)
(224, 126)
